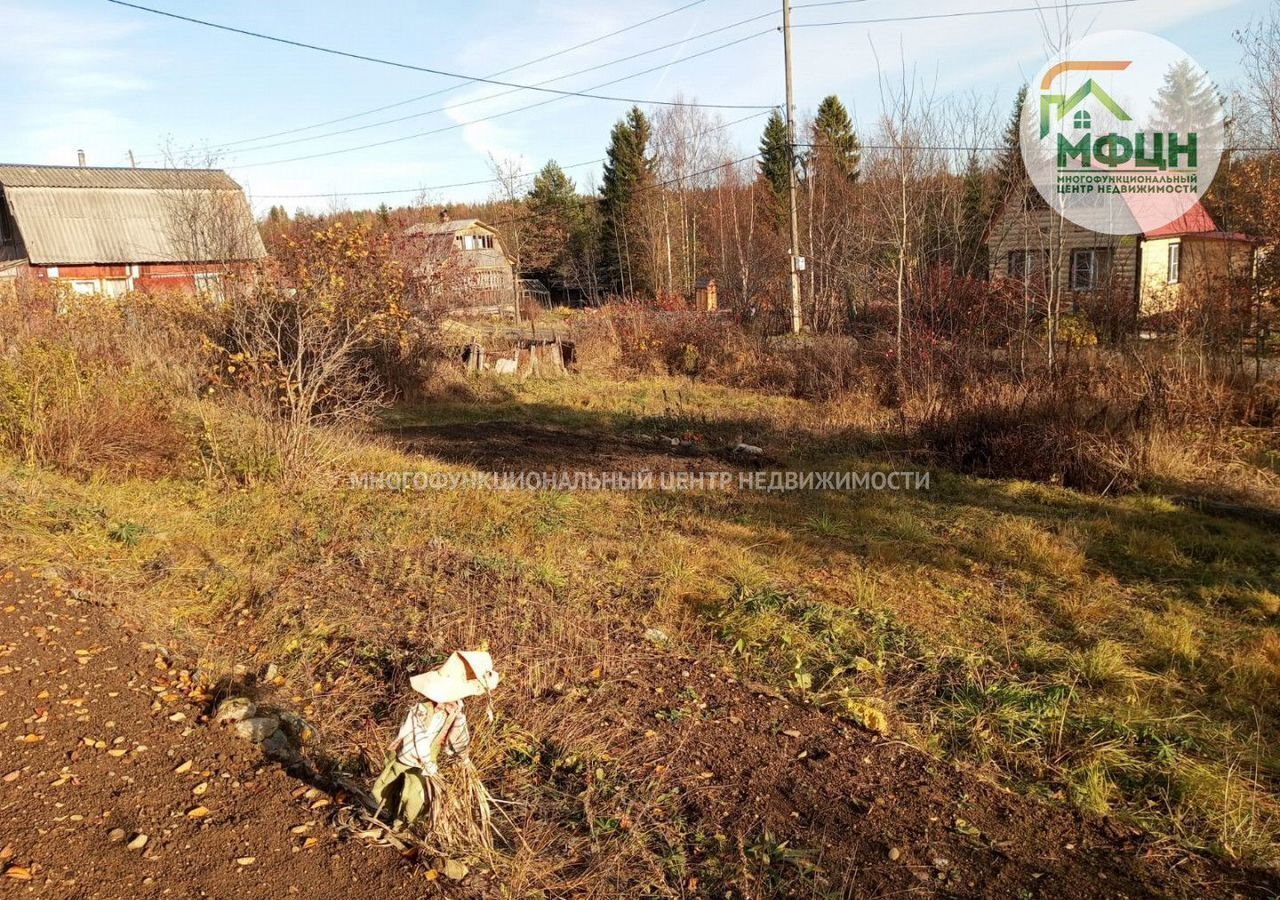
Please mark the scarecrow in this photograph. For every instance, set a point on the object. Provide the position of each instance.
(412, 779)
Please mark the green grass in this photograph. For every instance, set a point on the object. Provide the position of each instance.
(1121, 654)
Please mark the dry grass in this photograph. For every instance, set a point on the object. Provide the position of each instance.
(1120, 651)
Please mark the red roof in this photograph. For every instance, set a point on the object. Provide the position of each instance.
(1196, 220)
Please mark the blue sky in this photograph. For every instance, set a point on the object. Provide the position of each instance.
(86, 74)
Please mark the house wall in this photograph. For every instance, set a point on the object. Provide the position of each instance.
(117, 280)
(1205, 265)
(1111, 305)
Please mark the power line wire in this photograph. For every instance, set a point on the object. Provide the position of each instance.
(441, 187)
(953, 15)
(445, 90)
(487, 97)
(416, 68)
(499, 115)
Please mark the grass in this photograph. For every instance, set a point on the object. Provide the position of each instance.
(1118, 653)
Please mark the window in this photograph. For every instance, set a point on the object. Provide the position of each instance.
(208, 284)
(1022, 263)
(115, 287)
(1175, 263)
(1087, 268)
(84, 288)
(1082, 119)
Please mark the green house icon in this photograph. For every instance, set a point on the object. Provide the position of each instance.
(1049, 103)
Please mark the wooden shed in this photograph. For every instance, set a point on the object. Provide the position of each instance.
(704, 295)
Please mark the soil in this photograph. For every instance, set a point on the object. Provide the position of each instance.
(96, 728)
(505, 446)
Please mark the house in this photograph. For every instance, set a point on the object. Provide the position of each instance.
(113, 230)
(466, 262)
(1116, 279)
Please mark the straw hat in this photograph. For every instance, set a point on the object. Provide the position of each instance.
(466, 673)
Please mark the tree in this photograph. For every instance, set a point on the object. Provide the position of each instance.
(975, 213)
(1187, 101)
(628, 172)
(1011, 171)
(837, 141)
(556, 214)
(775, 157)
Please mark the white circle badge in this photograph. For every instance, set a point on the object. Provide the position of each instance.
(1122, 132)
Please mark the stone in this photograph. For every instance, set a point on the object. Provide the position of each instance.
(234, 709)
(656, 636)
(453, 869)
(257, 729)
(115, 835)
(278, 747)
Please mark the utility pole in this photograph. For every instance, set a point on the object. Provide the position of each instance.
(796, 261)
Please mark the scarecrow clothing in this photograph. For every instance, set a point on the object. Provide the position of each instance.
(427, 729)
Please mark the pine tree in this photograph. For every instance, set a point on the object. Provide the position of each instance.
(628, 172)
(775, 157)
(1187, 101)
(837, 141)
(556, 212)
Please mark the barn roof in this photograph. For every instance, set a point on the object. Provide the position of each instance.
(74, 215)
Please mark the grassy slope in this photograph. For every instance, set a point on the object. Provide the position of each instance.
(1121, 653)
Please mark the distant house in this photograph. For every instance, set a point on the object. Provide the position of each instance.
(113, 230)
(465, 261)
(1135, 275)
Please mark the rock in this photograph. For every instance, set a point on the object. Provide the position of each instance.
(234, 709)
(279, 747)
(656, 636)
(894, 854)
(139, 841)
(115, 835)
(257, 729)
(504, 367)
(246, 860)
(269, 676)
(453, 869)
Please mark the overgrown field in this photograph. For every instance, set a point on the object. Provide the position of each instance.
(1120, 654)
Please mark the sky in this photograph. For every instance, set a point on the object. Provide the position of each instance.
(94, 76)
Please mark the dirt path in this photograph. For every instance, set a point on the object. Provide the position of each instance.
(96, 733)
(93, 733)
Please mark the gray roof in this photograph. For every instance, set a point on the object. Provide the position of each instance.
(73, 215)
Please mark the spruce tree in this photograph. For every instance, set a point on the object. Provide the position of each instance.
(628, 172)
(975, 212)
(837, 141)
(557, 213)
(1012, 181)
(1187, 101)
(775, 156)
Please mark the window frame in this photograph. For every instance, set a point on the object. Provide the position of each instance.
(1173, 272)
(1094, 270)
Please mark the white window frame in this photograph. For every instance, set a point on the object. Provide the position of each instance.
(1093, 270)
(208, 284)
(1174, 273)
(84, 287)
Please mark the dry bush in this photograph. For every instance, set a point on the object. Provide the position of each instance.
(697, 345)
(90, 384)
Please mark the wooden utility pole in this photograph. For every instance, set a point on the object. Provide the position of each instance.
(794, 253)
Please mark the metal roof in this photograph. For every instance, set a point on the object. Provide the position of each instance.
(115, 177)
(72, 215)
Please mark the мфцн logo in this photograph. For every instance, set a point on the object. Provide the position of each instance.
(1122, 142)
